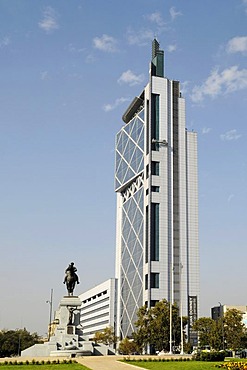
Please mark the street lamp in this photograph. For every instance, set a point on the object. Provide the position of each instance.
(19, 344)
(50, 314)
(222, 320)
(181, 313)
(170, 352)
(171, 303)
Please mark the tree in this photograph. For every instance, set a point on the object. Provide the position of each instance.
(128, 347)
(217, 336)
(142, 335)
(227, 332)
(107, 336)
(244, 338)
(153, 326)
(209, 331)
(233, 329)
(12, 342)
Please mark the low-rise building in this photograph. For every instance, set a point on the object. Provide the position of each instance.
(98, 309)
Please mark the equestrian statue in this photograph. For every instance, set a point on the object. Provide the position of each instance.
(71, 278)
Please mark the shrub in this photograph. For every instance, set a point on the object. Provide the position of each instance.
(209, 356)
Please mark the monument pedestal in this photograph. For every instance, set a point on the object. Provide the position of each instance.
(68, 333)
(67, 340)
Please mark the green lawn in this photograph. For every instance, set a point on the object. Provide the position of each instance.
(175, 365)
(73, 366)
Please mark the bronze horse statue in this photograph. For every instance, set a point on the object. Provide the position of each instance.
(71, 278)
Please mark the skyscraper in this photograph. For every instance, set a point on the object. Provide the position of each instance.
(157, 254)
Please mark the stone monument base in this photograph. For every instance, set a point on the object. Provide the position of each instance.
(67, 340)
(71, 353)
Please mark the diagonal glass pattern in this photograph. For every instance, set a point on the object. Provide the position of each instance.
(131, 261)
(129, 151)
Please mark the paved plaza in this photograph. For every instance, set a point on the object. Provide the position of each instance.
(95, 362)
(92, 362)
(105, 363)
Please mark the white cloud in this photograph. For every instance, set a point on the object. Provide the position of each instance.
(156, 18)
(110, 107)
(171, 48)
(206, 130)
(49, 21)
(173, 13)
(5, 41)
(230, 135)
(229, 80)
(130, 78)
(105, 43)
(237, 45)
(139, 38)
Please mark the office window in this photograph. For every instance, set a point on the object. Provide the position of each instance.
(154, 232)
(153, 303)
(146, 282)
(154, 280)
(147, 171)
(147, 128)
(155, 189)
(146, 227)
(155, 168)
(155, 102)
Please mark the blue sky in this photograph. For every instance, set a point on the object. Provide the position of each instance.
(68, 71)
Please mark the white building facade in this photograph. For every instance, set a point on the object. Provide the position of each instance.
(157, 253)
(98, 308)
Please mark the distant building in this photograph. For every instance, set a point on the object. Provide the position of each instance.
(219, 311)
(98, 308)
(157, 253)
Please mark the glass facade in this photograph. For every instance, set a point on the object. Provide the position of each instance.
(131, 262)
(129, 181)
(129, 151)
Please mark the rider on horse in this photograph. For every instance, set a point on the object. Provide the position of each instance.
(72, 270)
